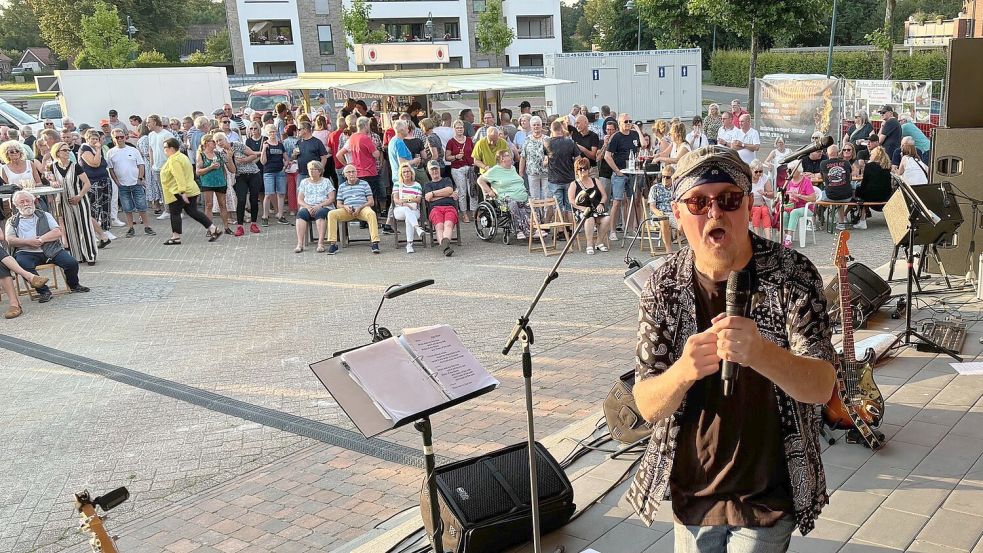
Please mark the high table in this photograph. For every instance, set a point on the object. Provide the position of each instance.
(637, 201)
(38, 191)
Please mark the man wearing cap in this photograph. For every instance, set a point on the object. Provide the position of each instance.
(525, 107)
(811, 163)
(115, 123)
(890, 133)
(742, 471)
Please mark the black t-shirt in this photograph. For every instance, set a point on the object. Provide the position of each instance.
(810, 165)
(622, 145)
(415, 145)
(730, 462)
(561, 152)
(256, 146)
(876, 184)
(892, 136)
(433, 186)
(274, 158)
(589, 140)
(836, 179)
(311, 149)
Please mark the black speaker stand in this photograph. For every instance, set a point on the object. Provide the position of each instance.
(423, 426)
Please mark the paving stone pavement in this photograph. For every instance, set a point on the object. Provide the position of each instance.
(244, 318)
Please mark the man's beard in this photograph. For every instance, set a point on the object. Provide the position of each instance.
(26, 211)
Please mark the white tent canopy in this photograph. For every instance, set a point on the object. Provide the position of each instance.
(409, 83)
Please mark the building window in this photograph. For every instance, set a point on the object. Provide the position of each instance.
(321, 7)
(538, 26)
(270, 31)
(456, 62)
(324, 43)
(479, 6)
(452, 30)
(328, 67)
(641, 69)
(530, 60)
(482, 63)
(274, 67)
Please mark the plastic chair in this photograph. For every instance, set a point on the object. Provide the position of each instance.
(807, 223)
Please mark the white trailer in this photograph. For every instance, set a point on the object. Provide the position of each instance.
(648, 85)
(88, 95)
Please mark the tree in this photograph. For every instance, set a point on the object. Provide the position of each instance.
(613, 27)
(759, 20)
(672, 22)
(355, 21)
(887, 39)
(218, 48)
(104, 46)
(59, 24)
(20, 26)
(206, 12)
(198, 58)
(570, 17)
(491, 32)
(151, 57)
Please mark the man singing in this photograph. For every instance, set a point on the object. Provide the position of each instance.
(742, 471)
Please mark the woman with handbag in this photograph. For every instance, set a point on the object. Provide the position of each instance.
(181, 193)
(211, 169)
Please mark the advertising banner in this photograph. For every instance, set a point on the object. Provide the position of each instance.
(911, 97)
(795, 106)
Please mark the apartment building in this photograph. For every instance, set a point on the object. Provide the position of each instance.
(293, 36)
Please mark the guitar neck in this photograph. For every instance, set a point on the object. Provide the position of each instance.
(846, 316)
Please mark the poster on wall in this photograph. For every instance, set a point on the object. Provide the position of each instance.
(795, 106)
(909, 97)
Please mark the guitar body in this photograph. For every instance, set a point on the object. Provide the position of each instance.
(867, 403)
(856, 402)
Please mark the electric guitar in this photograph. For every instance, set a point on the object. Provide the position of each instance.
(92, 523)
(856, 402)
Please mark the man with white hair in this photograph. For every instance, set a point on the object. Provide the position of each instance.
(27, 136)
(36, 238)
(486, 150)
(399, 152)
(67, 123)
(910, 130)
(574, 112)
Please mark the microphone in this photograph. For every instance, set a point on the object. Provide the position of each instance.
(737, 300)
(407, 288)
(809, 148)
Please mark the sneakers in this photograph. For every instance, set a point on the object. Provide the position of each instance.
(862, 225)
(79, 289)
(103, 243)
(787, 241)
(254, 228)
(265, 220)
(44, 296)
(118, 223)
(333, 249)
(131, 232)
(590, 251)
(282, 220)
(375, 247)
(419, 230)
(841, 226)
(163, 216)
(150, 232)
(520, 236)
(409, 248)
(387, 229)
(240, 231)
(613, 236)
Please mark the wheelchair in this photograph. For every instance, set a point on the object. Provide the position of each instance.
(490, 216)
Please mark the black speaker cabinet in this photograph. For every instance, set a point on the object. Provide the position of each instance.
(485, 501)
(963, 83)
(897, 212)
(868, 292)
(957, 159)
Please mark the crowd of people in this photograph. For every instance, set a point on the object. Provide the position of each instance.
(233, 172)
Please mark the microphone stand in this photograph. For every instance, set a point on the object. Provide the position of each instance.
(523, 332)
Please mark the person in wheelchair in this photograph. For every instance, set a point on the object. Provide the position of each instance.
(585, 182)
(502, 182)
(441, 206)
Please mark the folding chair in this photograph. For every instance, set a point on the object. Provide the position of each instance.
(397, 226)
(430, 231)
(557, 225)
(657, 230)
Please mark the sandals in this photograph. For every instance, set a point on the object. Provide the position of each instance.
(173, 242)
(298, 249)
(320, 249)
(213, 236)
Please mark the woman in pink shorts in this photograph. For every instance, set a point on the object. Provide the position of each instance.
(762, 191)
(442, 201)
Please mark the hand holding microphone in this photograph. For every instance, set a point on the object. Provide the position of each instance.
(738, 339)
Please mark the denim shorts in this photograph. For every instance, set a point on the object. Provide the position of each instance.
(621, 187)
(304, 215)
(133, 199)
(275, 183)
(559, 191)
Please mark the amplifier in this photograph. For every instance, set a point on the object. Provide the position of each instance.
(484, 501)
(868, 292)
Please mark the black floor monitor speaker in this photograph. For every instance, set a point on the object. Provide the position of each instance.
(484, 501)
(897, 212)
(868, 292)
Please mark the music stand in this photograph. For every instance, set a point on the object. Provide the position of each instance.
(917, 208)
(371, 422)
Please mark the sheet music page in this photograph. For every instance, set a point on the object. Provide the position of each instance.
(448, 359)
(391, 377)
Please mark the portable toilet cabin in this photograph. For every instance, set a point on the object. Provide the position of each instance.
(647, 84)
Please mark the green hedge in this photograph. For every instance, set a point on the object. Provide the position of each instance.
(730, 67)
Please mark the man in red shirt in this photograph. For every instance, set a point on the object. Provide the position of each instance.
(364, 157)
(333, 139)
(736, 110)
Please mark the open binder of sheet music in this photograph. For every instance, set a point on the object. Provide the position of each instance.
(422, 369)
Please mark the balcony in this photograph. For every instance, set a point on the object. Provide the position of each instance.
(270, 32)
(537, 26)
(406, 30)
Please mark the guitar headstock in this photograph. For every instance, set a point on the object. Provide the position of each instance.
(92, 523)
(842, 253)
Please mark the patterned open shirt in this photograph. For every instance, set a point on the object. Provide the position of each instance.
(790, 312)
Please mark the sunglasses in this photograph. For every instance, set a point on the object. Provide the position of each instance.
(847, 149)
(758, 172)
(727, 201)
